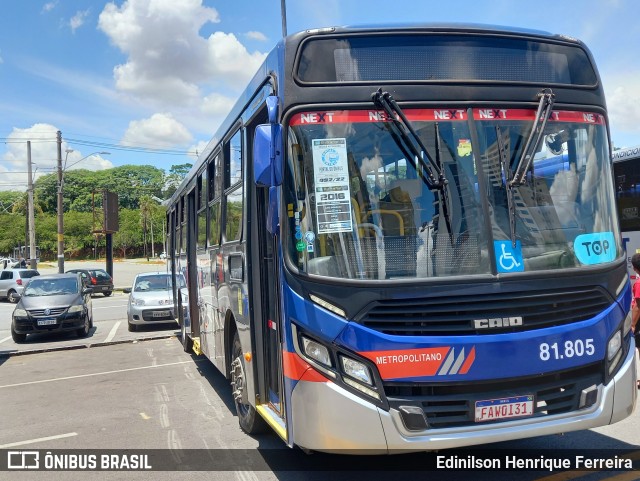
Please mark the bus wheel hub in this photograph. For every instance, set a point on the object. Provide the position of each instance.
(237, 381)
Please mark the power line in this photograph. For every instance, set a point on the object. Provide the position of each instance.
(89, 143)
(139, 149)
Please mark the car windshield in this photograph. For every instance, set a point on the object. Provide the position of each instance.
(160, 282)
(51, 287)
(360, 207)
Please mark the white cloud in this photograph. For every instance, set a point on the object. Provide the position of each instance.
(78, 20)
(167, 59)
(197, 149)
(623, 102)
(44, 156)
(161, 130)
(47, 7)
(230, 58)
(253, 35)
(216, 105)
(94, 161)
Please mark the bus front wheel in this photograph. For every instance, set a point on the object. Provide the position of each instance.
(250, 421)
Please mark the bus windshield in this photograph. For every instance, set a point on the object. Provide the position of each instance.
(360, 206)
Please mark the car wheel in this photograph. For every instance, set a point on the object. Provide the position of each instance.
(107, 294)
(250, 421)
(12, 296)
(132, 327)
(84, 330)
(17, 338)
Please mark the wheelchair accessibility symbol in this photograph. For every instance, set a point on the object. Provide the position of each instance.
(508, 258)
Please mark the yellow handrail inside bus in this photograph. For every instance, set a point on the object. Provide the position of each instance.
(388, 212)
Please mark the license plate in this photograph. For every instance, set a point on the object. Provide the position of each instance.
(161, 313)
(504, 408)
(47, 322)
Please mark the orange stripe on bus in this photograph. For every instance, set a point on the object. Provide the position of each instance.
(468, 361)
(298, 369)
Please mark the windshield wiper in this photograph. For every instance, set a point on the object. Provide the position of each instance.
(428, 169)
(542, 115)
(422, 161)
(506, 174)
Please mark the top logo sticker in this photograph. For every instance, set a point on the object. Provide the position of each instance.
(595, 248)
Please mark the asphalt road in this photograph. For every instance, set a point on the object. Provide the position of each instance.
(118, 390)
(150, 395)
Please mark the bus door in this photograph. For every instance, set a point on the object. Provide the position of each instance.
(269, 295)
(192, 267)
(265, 295)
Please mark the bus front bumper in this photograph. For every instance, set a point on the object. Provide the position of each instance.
(328, 418)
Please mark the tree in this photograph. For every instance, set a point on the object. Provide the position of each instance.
(176, 175)
(135, 185)
(7, 199)
(129, 234)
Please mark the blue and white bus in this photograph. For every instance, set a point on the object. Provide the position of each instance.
(406, 239)
(626, 171)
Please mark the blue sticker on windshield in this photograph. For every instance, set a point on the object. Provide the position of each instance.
(596, 248)
(508, 258)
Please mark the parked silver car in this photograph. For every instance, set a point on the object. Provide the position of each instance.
(151, 300)
(12, 282)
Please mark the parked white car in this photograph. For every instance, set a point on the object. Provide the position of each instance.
(13, 281)
(151, 300)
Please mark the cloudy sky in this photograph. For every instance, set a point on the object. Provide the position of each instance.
(150, 80)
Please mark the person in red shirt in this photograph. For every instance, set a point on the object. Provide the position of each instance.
(635, 302)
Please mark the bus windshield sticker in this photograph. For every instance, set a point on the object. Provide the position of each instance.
(464, 147)
(332, 190)
(596, 248)
(508, 256)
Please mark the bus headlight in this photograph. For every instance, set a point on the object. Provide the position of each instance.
(356, 370)
(614, 350)
(316, 351)
(614, 345)
(358, 376)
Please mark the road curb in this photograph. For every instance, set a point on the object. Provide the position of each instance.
(84, 346)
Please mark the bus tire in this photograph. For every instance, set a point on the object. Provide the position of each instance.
(250, 421)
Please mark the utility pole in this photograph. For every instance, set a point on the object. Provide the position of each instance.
(153, 252)
(60, 208)
(283, 12)
(33, 257)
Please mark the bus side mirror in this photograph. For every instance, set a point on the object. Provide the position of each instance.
(261, 157)
(266, 170)
(267, 155)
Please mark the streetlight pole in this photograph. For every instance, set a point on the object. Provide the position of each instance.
(33, 256)
(60, 197)
(60, 211)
